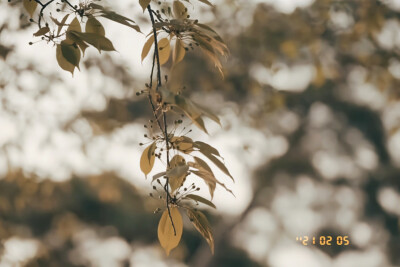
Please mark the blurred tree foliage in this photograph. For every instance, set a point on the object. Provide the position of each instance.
(339, 40)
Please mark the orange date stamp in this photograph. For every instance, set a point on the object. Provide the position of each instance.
(324, 240)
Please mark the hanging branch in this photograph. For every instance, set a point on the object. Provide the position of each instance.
(156, 57)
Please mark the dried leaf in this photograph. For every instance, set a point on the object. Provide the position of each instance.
(147, 159)
(166, 235)
(201, 199)
(200, 222)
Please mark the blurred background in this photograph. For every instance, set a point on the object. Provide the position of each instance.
(310, 130)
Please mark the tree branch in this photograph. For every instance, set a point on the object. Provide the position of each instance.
(156, 57)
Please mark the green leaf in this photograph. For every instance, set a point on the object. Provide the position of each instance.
(147, 46)
(164, 50)
(201, 199)
(62, 62)
(166, 235)
(179, 9)
(30, 6)
(120, 19)
(42, 31)
(200, 222)
(144, 4)
(179, 51)
(71, 53)
(98, 41)
(147, 159)
(94, 26)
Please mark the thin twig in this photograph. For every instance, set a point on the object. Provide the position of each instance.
(156, 57)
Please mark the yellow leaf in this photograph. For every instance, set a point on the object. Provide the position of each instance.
(144, 4)
(169, 239)
(164, 50)
(200, 222)
(179, 51)
(30, 6)
(147, 46)
(206, 148)
(62, 62)
(179, 9)
(94, 26)
(147, 159)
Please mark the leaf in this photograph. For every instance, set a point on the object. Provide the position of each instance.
(147, 46)
(201, 199)
(206, 148)
(177, 160)
(71, 53)
(62, 62)
(147, 159)
(176, 176)
(218, 163)
(182, 143)
(120, 19)
(98, 41)
(158, 175)
(30, 6)
(179, 9)
(204, 171)
(206, 2)
(200, 222)
(144, 4)
(166, 235)
(74, 26)
(164, 49)
(179, 51)
(94, 26)
(62, 24)
(71, 38)
(42, 31)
